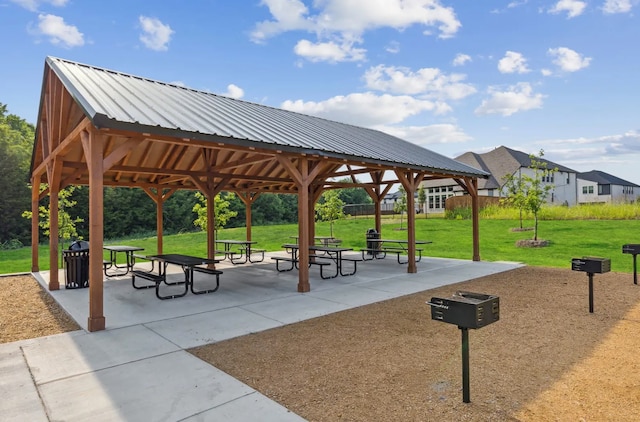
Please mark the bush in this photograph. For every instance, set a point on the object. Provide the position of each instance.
(11, 244)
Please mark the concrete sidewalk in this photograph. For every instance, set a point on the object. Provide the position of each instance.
(138, 369)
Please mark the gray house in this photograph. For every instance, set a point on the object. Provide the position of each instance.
(500, 163)
(597, 186)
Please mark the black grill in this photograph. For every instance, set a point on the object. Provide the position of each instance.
(633, 249)
(591, 265)
(466, 309)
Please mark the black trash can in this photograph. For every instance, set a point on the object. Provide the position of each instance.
(76, 263)
(371, 246)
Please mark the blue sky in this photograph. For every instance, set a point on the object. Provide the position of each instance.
(452, 76)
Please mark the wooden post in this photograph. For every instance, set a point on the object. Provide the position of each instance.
(35, 226)
(92, 145)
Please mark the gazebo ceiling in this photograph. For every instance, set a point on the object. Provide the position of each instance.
(160, 135)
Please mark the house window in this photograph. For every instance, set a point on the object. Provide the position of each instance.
(590, 189)
(430, 190)
(431, 202)
(584, 190)
(604, 189)
(450, 189)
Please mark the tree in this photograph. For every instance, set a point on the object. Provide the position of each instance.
(515, 194)
(400, 206)
(66, 223)
(422, 199)
(16, 145)
(221, 211)
(529, 191)
(330, 208)
(535, 187)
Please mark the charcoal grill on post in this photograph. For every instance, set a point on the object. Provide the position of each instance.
(466, 310)
(591, 265)
(633, 249)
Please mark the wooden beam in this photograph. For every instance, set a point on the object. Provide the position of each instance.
(92, 146)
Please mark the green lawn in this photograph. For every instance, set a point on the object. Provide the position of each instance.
(451, 239)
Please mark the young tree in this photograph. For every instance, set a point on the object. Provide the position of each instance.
(330, 208)
(400, 206)
(66, 223)
(221, 211)
(515, 194)
(536, 188)
(422, 199)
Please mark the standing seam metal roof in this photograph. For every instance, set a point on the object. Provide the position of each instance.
(117, 100)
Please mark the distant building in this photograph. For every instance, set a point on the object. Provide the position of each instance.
(597, 186)
(501, 163)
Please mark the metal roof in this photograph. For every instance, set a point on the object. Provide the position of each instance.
(117, 100)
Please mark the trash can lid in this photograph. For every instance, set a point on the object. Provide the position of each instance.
(78, 245)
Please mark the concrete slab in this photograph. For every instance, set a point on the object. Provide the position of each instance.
(54, 358)
(20, 399)
(137, 370)
(250, 408)
(295, 309)
(170, 387)
(211, 327)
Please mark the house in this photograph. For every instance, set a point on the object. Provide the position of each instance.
(501, 163)
(597, 186)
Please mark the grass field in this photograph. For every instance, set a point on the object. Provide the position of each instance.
(451, 239)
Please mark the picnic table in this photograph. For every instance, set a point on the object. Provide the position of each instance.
(323, 240)
(397, 246)
(329, 253)
(112, 262)
(243, 248)
(189, 264)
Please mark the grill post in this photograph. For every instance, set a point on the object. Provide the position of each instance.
(466, 390)
(466, 310)
(590, 292)
(633, 249)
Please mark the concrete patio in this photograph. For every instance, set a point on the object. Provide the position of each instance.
(138, 368)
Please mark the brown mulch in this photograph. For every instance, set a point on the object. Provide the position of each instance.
(28, 311)
(546, 359)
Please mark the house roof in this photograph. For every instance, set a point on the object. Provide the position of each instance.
(603, 178)
(499, 163)
(123, 103)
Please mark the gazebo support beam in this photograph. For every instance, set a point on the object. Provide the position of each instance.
(92, 145)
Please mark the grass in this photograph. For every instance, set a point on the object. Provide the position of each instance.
(451, 239)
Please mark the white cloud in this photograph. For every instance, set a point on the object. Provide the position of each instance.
(572, 7)
(568, 60)
(427, 135)
(617, 6)
(393, 47)
(348, 20)
(234, 91)
(33, 5)
(329, 51)
(461, 59)
(429, 82)
(517, 98)
(546, 72)
(155, 34)
(366, 109)
(513, 62)
(59, 32)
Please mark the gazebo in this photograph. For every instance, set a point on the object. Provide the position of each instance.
(98, 127)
